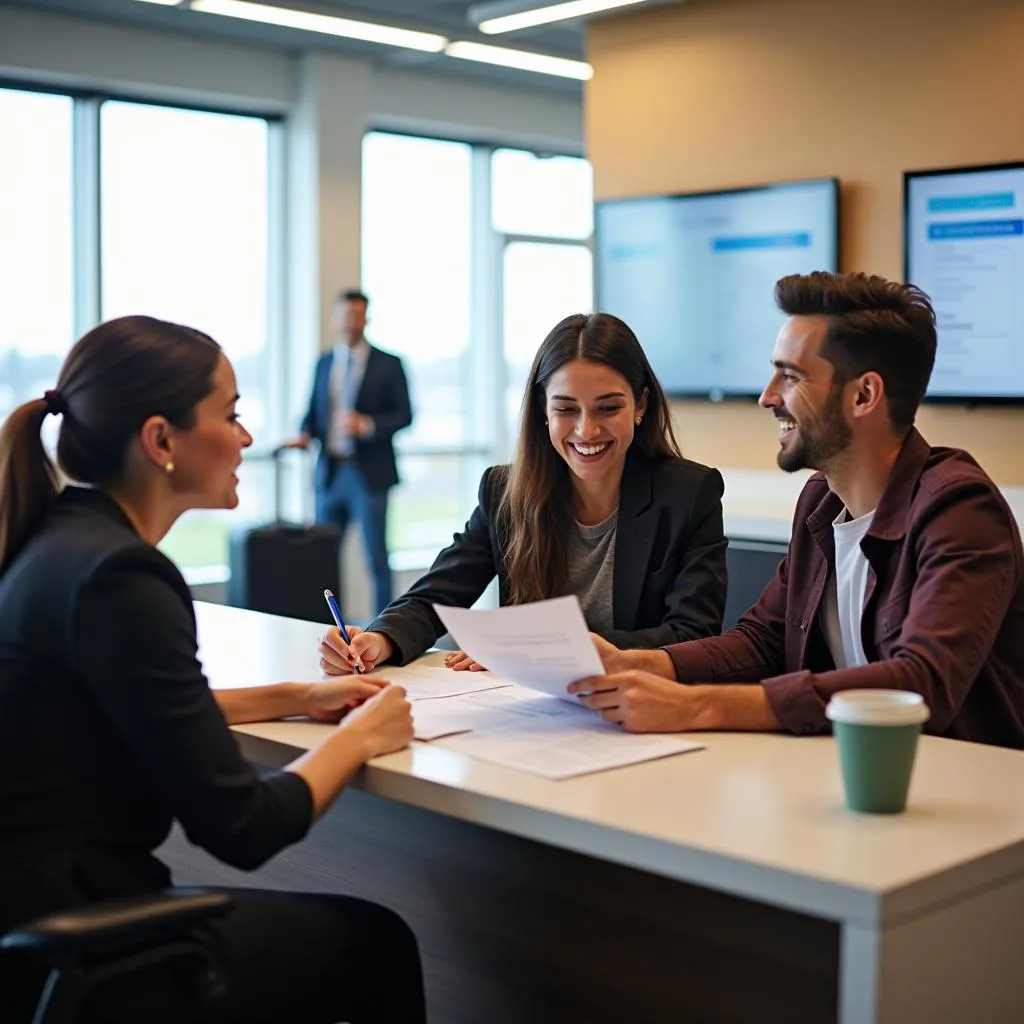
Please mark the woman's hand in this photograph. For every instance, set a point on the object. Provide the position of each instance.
(332, 699)
(383, 723)
(380, 724)
(365, 652)
(460, 661)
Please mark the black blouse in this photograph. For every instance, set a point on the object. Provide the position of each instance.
(108, 729)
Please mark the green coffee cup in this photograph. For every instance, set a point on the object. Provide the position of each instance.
(877, 733)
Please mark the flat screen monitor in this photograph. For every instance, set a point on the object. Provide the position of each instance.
(964, 246)
(694, 276)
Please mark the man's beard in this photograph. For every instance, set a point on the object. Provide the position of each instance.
(818, 440)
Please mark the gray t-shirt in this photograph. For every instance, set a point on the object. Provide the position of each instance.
(591, 570)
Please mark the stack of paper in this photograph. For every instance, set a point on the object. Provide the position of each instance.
(536, 727)
(561, 747)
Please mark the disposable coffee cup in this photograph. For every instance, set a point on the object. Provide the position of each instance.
(877, 733)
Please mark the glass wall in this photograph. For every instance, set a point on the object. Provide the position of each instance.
(470, 256)
(185, 210)
(36, 268)
(416, 258)
(543, 208)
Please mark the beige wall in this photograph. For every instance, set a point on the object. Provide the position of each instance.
(720, 93)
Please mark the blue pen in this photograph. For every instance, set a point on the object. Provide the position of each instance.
(336, 615)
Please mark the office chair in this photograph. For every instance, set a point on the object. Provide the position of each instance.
(85, 948)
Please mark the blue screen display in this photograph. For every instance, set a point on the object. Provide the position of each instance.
(965, 247)
(694, 275)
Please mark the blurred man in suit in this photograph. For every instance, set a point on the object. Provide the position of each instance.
(360, 400)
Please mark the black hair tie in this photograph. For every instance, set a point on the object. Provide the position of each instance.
(55, 404)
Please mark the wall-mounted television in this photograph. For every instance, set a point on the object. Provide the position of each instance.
(964, 246)
(694, 274)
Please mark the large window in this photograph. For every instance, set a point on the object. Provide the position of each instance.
(546, 196)
(542, 283)
(417, 271)
(36, 284)
(470, 256)
(185, 212)
(542, 208)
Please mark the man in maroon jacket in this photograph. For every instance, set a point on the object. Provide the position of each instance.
(905, 568)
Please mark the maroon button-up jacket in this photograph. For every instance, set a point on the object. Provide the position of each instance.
(943, 615)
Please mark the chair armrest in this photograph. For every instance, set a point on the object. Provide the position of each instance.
(139, 920)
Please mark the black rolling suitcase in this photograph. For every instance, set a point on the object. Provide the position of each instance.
(284, 568)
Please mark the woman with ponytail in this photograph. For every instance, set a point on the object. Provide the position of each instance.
(597, 502)
(108, 729)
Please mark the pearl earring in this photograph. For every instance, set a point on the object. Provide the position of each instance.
(169, 467)
(637, 420)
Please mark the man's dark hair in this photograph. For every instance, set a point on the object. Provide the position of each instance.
(352, 295)
(873, 324)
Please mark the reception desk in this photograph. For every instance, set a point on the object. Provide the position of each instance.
(726, 885)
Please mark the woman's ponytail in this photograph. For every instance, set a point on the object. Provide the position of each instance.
(28, 478)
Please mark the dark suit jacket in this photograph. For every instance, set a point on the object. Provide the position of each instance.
(943, 614)
(384, 397)
(108, 729)
(669, 578)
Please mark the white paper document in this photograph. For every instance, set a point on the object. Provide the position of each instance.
(423, 682)
(544, 645)
(485, 709)
(561, 746)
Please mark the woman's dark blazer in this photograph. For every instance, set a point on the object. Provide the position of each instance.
(108, 729)
(669, 579)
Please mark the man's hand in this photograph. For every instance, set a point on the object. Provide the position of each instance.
(656, 662)
(355, 424)
(612, 658)
(643, 702)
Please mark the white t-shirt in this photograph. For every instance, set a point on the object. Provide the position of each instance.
(847, 587)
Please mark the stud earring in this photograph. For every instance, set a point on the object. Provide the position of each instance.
(169, 467)
(637, 420)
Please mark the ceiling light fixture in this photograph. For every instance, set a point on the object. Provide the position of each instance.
(163, 3)
(524, 60)
(325, 24)
(548, 14)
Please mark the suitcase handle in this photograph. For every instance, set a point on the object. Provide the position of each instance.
(275, 456)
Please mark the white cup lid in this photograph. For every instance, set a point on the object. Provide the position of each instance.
(877, 707)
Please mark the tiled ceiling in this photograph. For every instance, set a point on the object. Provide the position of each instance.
(448, 17)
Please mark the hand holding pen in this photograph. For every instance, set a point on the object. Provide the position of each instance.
(352, 659)
(348, 649)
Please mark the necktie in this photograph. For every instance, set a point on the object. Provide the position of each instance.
(344, 400)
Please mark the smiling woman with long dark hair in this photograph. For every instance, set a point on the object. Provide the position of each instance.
(597, 502)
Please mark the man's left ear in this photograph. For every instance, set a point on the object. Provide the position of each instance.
(869, 394)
